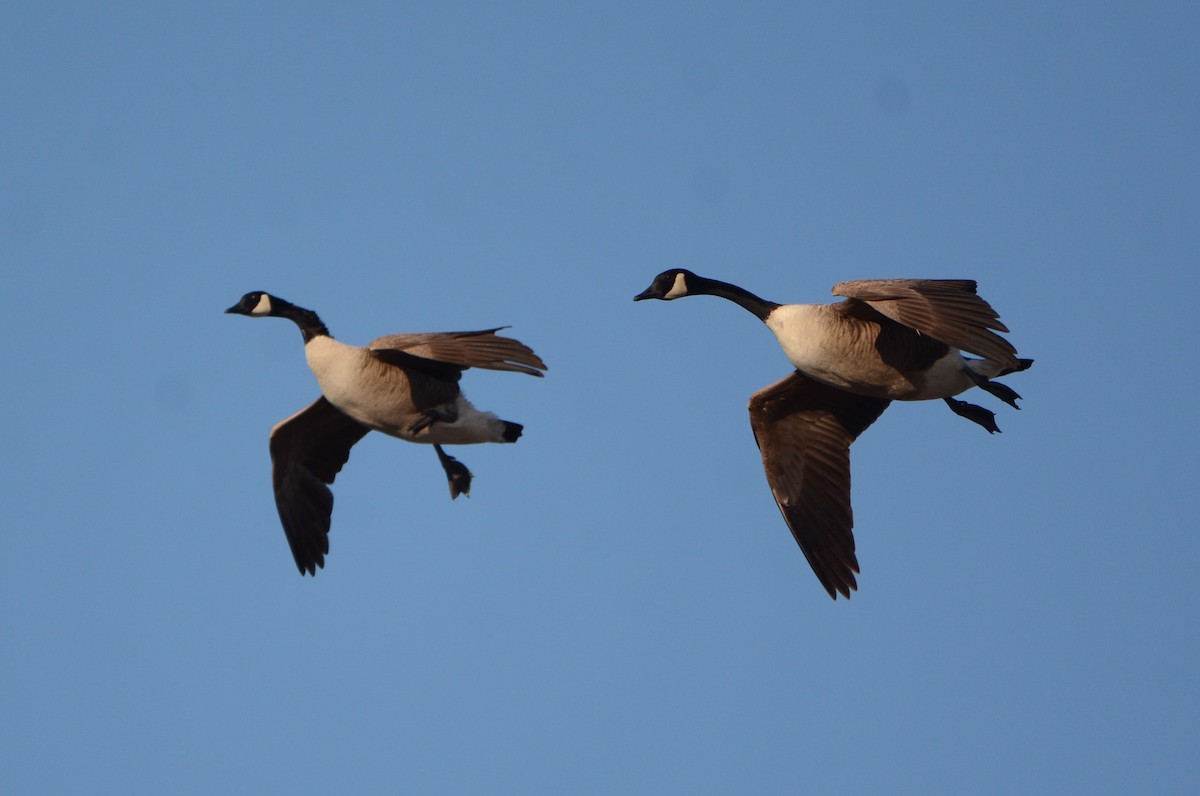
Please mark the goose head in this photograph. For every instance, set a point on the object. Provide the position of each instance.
(672, 284)
(679, 282)
(256, 303)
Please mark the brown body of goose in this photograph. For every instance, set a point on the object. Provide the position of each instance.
(404, 385)
(891, 339)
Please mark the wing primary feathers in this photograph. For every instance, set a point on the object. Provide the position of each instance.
(479, 349)
(804, 430)
(308, 450)
(948, 310)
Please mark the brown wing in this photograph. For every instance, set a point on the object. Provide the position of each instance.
(307, 452)
(945, 309)
(482, 349)
(804, 429)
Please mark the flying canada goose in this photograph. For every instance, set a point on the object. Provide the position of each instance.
(405, 385)
(890, 340)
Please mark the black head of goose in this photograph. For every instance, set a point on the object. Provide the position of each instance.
(404, 385)
(889, 340)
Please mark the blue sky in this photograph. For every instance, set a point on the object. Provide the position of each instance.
(618, 607)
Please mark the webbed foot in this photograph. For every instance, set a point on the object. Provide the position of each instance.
(1001, 391)
(976, 414)
(457, 474)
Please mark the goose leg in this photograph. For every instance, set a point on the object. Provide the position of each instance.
(976, 414)
(1001, 391)
(457, 473)
(431, 416)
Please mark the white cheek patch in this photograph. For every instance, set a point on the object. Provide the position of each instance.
(678, 289)
(263, 307)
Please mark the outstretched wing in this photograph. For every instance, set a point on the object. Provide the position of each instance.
(804, 429)
(948, 310)
(482, 349)
(307, 452)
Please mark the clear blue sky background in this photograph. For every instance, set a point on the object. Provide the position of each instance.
(618, 607)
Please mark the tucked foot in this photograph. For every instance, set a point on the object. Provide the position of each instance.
(976, 414)
(457, 474)
(1001, 391)
(429, 417)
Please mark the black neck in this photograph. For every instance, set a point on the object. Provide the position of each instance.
(310, 325)
(760, 307)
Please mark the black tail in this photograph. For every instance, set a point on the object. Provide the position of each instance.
(1022, 364)
(512, 431)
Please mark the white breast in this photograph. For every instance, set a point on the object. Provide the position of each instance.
(350, 380)
(804, 334)
(337, 366)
